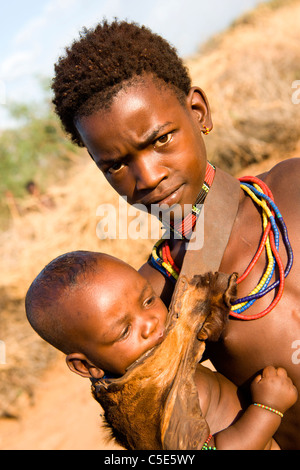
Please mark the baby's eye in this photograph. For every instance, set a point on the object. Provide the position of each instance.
(163, 140)
(125, 333)
(149, 301)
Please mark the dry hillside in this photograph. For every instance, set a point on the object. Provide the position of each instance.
(247, 73)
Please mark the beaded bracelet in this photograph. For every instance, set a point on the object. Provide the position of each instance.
(206, 446)
(269, 409)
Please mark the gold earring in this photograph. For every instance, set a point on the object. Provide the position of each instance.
(206, 130)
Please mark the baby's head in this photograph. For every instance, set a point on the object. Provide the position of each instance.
(97, 310)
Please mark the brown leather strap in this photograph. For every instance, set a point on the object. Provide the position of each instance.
(217, 218)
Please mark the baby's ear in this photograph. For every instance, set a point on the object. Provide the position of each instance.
(81, 365)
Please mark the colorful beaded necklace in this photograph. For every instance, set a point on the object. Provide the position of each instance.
(184, 229)
(263, 197)
(161, 257)
(259, 192)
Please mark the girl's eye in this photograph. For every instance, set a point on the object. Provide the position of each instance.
(163, 140)
(115, 168)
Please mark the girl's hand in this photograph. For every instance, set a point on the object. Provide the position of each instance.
(274, 388)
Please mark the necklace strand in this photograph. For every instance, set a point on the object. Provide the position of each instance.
(185, 228)
(262, 196)
(161, 257)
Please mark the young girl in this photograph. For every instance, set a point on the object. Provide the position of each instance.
(123, 93)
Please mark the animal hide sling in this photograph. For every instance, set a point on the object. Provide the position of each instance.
(155, 404)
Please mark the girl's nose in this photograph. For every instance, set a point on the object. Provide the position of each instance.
(149, 172)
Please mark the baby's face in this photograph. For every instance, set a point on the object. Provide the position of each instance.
(122, 318)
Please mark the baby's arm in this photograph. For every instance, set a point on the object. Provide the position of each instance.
(272, 389)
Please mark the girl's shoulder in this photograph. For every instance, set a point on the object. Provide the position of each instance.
(283, 176)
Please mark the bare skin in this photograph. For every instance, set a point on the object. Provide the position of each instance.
(235, 426)
(115, 317)
(246, 347)
(147, 147)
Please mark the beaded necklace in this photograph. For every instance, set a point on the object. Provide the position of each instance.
(259, 192)
(263, 197)
(161, 257)
(184, 229)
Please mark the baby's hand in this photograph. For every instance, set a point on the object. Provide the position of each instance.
(274, 388)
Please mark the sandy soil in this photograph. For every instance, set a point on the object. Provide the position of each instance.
(64, 417)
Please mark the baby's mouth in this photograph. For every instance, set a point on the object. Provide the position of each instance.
(161, 338)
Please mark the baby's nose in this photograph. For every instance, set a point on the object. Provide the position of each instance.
(148, 327)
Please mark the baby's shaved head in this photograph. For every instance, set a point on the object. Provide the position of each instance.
(52, 287)
(98, 310)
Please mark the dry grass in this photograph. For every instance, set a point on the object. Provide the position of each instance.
(247, 74)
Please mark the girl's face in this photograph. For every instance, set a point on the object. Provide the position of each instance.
(148, 145)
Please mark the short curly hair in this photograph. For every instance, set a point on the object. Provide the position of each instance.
(102, 60)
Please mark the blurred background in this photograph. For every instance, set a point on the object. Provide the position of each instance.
(245, 54)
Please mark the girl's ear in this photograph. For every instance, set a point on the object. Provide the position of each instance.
(197, 102)
(81, 365)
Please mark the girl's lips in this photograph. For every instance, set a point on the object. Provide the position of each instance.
(167, 197)
(172, 198)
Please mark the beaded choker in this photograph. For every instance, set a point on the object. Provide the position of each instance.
(273, 223)
(161, 257)
(184, 229)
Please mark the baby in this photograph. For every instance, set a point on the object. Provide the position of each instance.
(104, 315)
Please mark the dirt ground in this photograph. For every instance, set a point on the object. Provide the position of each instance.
(64, 417)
